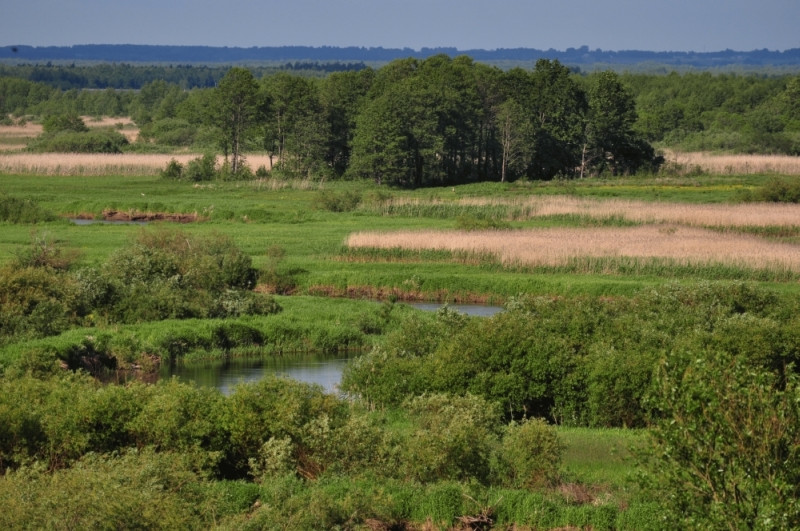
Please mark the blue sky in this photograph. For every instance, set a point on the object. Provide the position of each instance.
(657, 25)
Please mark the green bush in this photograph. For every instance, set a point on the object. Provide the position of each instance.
(725, 443)
(92, 141)
(36, 302)
(278, 408)
(173, 170)
(56, 123)
(201, 169)
(345, 201)
(136, 490)
(453, 438)
(780, 190)
(173, 132)
(529, 455)
(16, 210)
(170, 274)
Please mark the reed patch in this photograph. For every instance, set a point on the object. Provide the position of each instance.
(556, 247)
(728, 164)
(90, 164)
(607, 211)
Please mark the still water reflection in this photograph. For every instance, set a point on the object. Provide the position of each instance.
(325, 371)
(224, 375)
(477, 310)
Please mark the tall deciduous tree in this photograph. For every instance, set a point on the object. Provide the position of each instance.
(236, 98)
(610, 142)
(294, 129)
(513, 135)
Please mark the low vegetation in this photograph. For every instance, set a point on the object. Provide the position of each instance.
(642, 376)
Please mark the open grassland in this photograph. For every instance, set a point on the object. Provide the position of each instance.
(259, 215)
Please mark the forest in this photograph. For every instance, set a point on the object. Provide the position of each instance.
(440, 120)
(642, 373)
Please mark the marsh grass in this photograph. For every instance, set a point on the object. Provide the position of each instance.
(603, 211)
(559, 247)
(97, 164)
(725, 164)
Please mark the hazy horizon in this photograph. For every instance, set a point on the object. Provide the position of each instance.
(618, 25)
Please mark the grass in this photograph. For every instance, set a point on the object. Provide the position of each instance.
(621, 236)
(727, 164)
(604, 211)
(100, 164)
(556, 247)
(261, 214)
(599, 455)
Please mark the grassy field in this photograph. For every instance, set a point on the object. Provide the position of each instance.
(483, 243)
(566, 243)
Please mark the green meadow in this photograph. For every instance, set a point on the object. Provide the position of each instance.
(391, 459)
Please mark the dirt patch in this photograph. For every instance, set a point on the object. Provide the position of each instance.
(117, 215)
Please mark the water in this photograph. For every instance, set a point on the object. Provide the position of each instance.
(477, 310)
(224, 375)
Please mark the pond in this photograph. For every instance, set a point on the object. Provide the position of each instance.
(476, 310)
(323, 370)
(224, 375)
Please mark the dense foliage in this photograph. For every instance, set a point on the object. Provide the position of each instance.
(162, 275)
(575, 361)
(440, 120)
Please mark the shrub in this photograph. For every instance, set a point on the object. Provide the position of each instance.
(174, 132)
(92, 141)
(278, 408)
(43, 252)
(136, 490)
(169, 274)
(173, 170)
(725, 443)
(56, 123)
(529, 455)
(15, 210)
(453, 439)
(345, 201)
(35, 302)
(201, 169)
(780, 190)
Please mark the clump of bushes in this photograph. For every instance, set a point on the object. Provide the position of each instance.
(170, 274)
(16, 210)
(575, 361)
(162, 275)
(775, 190)
(69, 134)
(345, 201)
(172, 132)
(203, 169)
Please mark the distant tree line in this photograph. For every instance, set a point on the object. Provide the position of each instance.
(440, 120)
(134, 77)
(117, 53)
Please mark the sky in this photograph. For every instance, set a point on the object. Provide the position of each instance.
(652, 25)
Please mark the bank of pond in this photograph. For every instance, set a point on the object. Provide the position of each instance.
(441, 415)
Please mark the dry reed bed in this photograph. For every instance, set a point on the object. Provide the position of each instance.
(554, 247)
(737, 164)
(100, 163)
(698, 215)
(29, 130)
